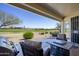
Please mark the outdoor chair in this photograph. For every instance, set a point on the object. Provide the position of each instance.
(47, 52)
(62, 37)
(31, 48)
(6, 52)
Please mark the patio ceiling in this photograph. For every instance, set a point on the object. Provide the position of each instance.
(57, 11)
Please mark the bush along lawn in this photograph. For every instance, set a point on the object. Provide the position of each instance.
(28, 35)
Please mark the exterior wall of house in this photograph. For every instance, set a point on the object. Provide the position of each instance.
(62, 27)
(67, 27)
(67, 24)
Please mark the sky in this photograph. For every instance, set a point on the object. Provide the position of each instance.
(29, 19)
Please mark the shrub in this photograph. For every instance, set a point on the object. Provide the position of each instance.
(54, 34)
(28, 35)
(42, 33)
(51, 32)
(46, 32)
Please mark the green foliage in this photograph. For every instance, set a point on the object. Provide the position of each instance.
(42, 33)
(58, 26)
(46, 32)
(13, 30)
(54, 34)
(28, 35)
(9, 20)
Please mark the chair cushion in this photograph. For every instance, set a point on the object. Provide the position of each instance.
(33, 43)
(62, 37)
(6, 52)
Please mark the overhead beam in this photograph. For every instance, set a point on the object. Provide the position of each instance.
(40, 9)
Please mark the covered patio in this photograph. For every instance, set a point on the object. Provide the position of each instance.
(66, 43)
(62, 12)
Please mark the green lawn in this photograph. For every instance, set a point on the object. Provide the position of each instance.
(25, 30)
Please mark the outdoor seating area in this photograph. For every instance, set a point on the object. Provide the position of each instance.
(35, 36)
(57, 47)
(27, 48)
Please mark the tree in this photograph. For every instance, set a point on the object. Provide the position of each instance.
(7, 20)
(58, 26)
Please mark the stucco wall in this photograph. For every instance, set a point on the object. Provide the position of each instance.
(67, 27)
(67, 22)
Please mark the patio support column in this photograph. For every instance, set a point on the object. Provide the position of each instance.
(62, 27)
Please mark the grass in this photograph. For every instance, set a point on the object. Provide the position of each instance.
(27, 30)
(16, 34)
